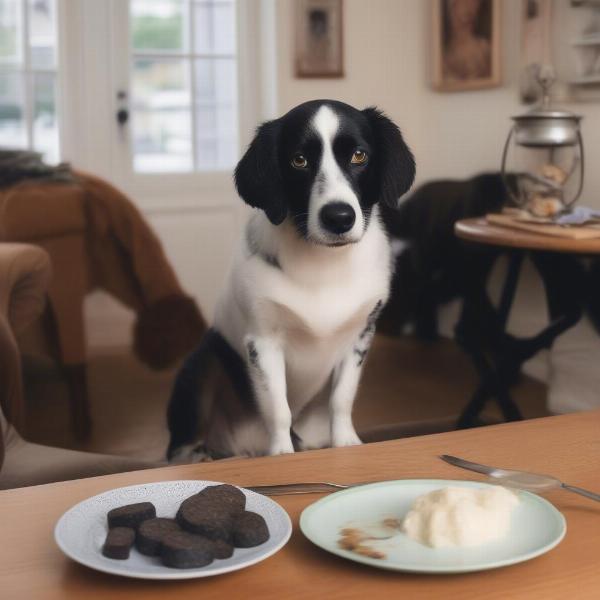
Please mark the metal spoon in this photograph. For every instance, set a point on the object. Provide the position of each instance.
(523, 480)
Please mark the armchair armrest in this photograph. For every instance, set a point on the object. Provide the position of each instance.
(24, 277)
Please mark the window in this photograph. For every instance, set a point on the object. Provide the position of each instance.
(28, 74)
(184, 100)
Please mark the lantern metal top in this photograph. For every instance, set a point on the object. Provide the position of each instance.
(545, 126)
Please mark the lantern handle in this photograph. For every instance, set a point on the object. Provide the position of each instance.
(507, 187)
(581, 178)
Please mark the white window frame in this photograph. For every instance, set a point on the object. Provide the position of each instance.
(28, 72)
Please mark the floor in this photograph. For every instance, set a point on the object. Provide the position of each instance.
(404, 380)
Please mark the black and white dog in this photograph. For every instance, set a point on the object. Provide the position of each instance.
(279, 369)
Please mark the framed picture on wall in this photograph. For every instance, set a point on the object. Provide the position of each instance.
(466, 44)
(319, 43)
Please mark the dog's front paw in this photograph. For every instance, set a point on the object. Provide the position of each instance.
(281, 445)
(344, 436)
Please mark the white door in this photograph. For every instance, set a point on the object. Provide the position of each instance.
(168, 93)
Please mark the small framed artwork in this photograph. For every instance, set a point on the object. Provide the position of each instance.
(319, 43)
(466, 48)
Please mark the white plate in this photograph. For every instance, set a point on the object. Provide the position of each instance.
(81, 531)
(536, 527)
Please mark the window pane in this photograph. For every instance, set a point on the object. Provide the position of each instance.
(162, 139)
(45, 121)
(13, 133)
(216, 113)
(214, 27)
(42, 36)
(10, 31)
(159, 25)
(216, 81)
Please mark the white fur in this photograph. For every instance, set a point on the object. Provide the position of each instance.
(305, 320)
(335, 186)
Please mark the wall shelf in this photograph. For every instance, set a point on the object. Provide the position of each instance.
(589, 80)
(591, 40)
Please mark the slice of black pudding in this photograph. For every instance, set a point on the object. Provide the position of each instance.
(228, 495)
(222, 549)
(206, 516)
(150, 534)
(119, 541)
(249, 529)
(184, 550)
(131, 515)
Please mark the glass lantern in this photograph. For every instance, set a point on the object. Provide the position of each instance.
(545, 174)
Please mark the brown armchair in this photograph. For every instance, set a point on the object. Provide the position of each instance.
(24, 277)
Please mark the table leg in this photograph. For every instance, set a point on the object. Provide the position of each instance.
(515, 262)
(565, 284)
(481, 334)
(498, 356)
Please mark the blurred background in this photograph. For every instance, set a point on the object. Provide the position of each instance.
(159, 98)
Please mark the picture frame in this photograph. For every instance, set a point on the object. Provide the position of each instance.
(319, 38)
(466, 44)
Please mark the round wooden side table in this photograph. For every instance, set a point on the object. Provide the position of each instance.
(481, 329)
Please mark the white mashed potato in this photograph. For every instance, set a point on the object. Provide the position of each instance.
(460, 516)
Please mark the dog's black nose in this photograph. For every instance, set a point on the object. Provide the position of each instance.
(337, 217)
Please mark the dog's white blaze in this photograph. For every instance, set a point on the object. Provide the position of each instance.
(330, 184)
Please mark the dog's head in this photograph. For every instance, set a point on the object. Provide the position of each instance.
(324, 165)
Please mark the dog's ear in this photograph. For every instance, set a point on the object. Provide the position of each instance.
(257, 175)
(394, 162)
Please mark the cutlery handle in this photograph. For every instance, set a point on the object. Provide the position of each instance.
(297, 488)
(581, 492)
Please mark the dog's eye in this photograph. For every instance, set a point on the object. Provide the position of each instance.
(359, 157)
(299, 162)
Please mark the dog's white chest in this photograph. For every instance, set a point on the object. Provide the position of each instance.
(308, 316)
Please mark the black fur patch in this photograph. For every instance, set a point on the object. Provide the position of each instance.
(363, 344)
(271, 260)
(362, 354)
(182, 413)
(252, 353)
(371, 321)
(296, 439)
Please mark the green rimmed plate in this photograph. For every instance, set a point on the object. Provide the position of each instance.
(536, 527)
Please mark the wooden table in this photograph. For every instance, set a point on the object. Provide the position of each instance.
(480, 231)
(32, 567)
(481, 330)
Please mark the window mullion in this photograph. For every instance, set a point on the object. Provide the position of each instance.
(192, 47)
(27, 74)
